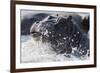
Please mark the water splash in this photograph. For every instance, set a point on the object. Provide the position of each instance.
(37, 51)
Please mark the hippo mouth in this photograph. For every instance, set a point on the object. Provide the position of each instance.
(35, 34)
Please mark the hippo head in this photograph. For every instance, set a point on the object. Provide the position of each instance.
(42, 29)
(63, 33)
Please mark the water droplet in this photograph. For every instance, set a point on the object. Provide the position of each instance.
(49, 32)
(78, 32)
(64, 38)
(80, 45)
(72, 40)
(59, 34)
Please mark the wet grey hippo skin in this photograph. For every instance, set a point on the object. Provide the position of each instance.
(64, 34)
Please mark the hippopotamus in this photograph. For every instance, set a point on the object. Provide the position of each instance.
(63, 33)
